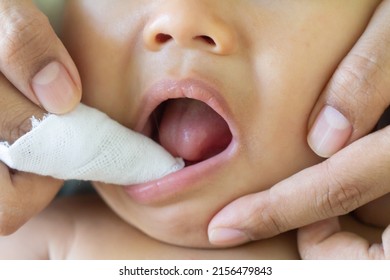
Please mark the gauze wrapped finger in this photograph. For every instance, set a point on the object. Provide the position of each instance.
(86, 144)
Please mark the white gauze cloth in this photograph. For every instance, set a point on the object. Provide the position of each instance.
(86, 144)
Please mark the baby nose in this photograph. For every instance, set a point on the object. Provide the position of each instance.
(190, 24)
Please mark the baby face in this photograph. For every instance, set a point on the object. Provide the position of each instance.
(227, 85)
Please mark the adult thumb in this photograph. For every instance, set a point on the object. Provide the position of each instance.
(359, 91)
(34, 60)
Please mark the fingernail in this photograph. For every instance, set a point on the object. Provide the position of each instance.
(227, 237)
(54, 88)
(329, 133)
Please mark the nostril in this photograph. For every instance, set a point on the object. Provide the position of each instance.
(162, 38)
(206, 39)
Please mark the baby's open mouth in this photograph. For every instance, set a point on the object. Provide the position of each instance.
(190, 119)
(189, 128)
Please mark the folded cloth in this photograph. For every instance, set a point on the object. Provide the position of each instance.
(86, 144)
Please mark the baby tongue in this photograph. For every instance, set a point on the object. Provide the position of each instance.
(192, 130)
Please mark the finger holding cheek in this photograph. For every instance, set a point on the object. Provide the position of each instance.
(359, 91)
(350, 106)
(326, 240)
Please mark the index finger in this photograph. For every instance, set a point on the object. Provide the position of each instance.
(352, 177)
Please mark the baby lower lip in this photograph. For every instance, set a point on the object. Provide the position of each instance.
(173, 186)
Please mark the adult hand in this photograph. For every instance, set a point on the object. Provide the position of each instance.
(349, 108)
(34, 60)
(326, 240)
(22, 195)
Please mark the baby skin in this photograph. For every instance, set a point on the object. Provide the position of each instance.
(226, 85)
